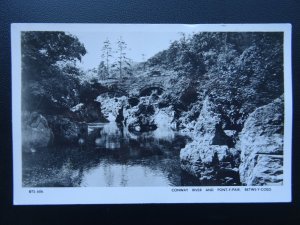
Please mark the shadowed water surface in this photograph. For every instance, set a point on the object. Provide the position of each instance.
(111, 157)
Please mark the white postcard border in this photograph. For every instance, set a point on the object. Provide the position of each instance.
(122, 195)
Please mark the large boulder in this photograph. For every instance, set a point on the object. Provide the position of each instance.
(36, 132)
(141, 117)
(210, 152)
(143, 120)
(261, 145)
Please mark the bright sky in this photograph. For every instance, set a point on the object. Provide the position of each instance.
(138, 43)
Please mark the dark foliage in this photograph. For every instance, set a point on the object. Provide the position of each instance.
(42, 49)
(49, 72)
(239, 71)
(51, 95)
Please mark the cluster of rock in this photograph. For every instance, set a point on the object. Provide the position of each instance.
(40, 130)
(111, 106)
(137, 114)
(140, 117)
(210, 155)
(254, 157)
(89, 112)
(215, 156)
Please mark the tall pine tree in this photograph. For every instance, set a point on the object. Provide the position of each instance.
(104, 66)
(123, 63)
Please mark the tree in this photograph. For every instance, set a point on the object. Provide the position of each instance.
(123, 63)
(48, 69)
(43, 49)
(104, 67)
(103, 71)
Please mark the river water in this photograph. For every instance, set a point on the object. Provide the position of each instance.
(111, 157)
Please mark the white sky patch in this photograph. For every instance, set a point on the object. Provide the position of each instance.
(138, 43)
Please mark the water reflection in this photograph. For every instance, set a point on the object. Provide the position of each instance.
(124, 175)
(112, 157)
(163, 131)
(109, 136)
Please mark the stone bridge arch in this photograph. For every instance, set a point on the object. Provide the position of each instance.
(149, 88)
(114, 92)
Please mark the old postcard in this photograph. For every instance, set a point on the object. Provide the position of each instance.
(151, 113)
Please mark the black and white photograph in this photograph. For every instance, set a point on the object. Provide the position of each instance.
(131, 108)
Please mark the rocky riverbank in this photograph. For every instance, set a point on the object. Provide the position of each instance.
(215, 155)
(40, 130)
(252, 157)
